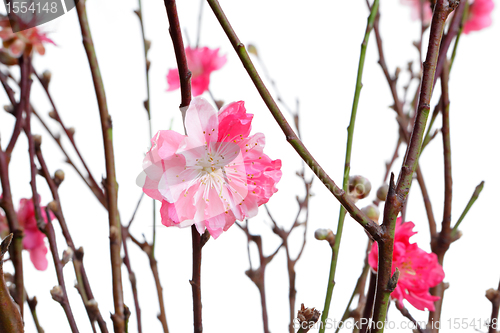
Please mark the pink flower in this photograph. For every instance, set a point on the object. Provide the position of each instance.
(201, 62)
(215, 174)
(418, 269)
(24, 41)
(33, 240)
(479, 16)
(416, 9)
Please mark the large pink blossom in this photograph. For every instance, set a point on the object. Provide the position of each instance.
(416, 7)
(418, 269)
(34, 239)
(479, 16)
(17, 43)
(201, 62)
(215, 174)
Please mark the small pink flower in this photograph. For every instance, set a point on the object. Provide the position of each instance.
(416, 7)
(24, 41)
(418, 269)
(33, 240)
(201, 62)
(479, 16)
(215, 174)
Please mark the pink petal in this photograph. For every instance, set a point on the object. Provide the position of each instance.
(173, 80)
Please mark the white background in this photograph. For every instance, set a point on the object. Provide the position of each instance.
(311, 49)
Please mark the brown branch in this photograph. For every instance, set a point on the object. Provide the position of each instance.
(148, 250)
(10, 317)
(32, 303)
(62, 296)
(196, 280)
(257, 275)
(132, 278)
(131, 274)
(398, 193)
(441, 244)
(403, 123)
(92, 182)
(404, 311)
(81, 276)
(110, 183)
(180, 54)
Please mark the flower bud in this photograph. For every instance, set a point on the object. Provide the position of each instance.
(147, 45)
(382, 192)
(46, 76)
(253, 50)
(372, 212)
(325, 234)
(492, 295)
(67, 256)
(58, 177)
(38, 141)
(9, 108)
(53, 206)
(359, 187)
(71, 130)
(53, 115)
(57, 294)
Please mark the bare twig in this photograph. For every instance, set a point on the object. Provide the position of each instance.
(111, 185)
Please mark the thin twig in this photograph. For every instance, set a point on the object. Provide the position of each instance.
(473, 199)
(83, 284)
(62, 296)
(111, 185)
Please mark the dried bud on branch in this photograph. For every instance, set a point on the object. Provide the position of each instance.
(307, 317)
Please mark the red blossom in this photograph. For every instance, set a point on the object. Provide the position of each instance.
(418, 269)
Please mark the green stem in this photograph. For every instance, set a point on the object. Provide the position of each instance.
(371, 227)
(347, 165)
(473, 199)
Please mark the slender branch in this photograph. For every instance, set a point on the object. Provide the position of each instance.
(257, 275)
(372, 227)
(196, 280)
(111, 185)
(32, 303)
(473, 199)
(83, 284)
(402, 120)
(398, 193)
(347, 164)
(147, 103)
(10, 317)
(404, 311)
(358, 290)
(91, 180)
(370, 298)
(180, 54)
(132, 278)
(62, 296)
(147, 248)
